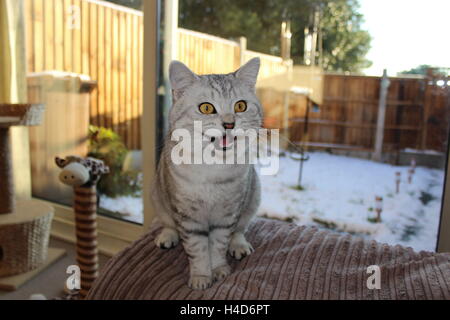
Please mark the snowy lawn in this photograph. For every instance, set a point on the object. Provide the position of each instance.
(339, 194)
(128, 208)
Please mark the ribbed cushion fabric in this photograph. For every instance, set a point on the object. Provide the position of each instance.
(289, 262)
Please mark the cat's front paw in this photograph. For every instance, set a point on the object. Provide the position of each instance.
(167, 239)
(199, 282)
(221, 272)
(239, 247)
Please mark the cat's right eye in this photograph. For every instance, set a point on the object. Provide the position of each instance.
(207, 108)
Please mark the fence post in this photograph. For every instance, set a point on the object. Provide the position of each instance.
(286, 36)
(379, 135)
(427, 101)
(242, 49)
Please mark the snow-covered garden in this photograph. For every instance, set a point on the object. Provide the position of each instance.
(339, 193)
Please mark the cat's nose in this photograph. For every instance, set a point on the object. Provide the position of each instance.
(228, 118)
(228, 125)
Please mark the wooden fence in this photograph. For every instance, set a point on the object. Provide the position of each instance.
(105, 41)
(270, 65)
(206, 54)
(98, 39)
(417, 114)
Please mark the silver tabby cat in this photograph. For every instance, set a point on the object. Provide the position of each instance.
(209, 206)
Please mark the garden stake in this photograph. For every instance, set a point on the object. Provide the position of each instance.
(412, 170)
(413, 164)
(302, 149)
(410, 175)
(378, 207)
(83, 174)
(397, 181)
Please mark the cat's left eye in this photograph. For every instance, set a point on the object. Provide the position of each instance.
(240, 106)
(206, 108)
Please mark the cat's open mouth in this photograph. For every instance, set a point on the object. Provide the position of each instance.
(224, 143)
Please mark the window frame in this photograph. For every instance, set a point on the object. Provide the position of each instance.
(114, 234)
(443, 241)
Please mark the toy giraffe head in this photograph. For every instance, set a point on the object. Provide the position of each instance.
(79, 171)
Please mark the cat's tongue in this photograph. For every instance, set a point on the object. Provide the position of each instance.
(225, 142)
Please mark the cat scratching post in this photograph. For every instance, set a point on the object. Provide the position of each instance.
(24, 225)
(13, 115)
(6, 178)
(83, 174)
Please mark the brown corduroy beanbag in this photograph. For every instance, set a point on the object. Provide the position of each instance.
(289, 262)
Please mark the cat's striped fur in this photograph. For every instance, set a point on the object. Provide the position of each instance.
(208, 207)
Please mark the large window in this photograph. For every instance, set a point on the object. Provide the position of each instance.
(362, 153)
(85, 62)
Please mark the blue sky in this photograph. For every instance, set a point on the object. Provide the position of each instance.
(407, 33)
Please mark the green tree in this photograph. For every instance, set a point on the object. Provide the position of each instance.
(423, 70)
(345, 44)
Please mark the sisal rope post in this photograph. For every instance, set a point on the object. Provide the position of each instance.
(82, 174)
(85, 207)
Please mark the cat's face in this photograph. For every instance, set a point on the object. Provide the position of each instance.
(224, 102)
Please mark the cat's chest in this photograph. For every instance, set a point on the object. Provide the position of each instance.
(212, 188)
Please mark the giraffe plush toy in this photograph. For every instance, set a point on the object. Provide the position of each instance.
(83, 174)
(79, 171)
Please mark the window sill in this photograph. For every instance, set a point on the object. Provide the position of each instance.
(112, 235)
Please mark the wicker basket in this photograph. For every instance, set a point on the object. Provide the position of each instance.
(24, 237)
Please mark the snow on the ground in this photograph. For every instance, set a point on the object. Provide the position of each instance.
(130, 208)
(416, 151)
(339, 192)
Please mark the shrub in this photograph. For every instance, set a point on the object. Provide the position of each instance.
(106, 145)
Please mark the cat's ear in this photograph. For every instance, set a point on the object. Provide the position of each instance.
(180, 77)
(248, 73)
